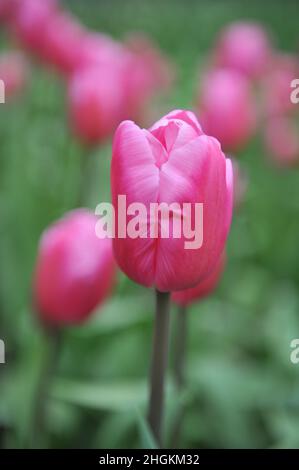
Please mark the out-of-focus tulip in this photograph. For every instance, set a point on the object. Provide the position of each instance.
(8, 9)
(282, 141)
(95, 103)
(226, 108)
(277, 85)
(240, 183)
(97, 49)
(61, 41)
(30, 21)
(13, 72)
(244, 47)
(140, 67)
(172, 162)
(204, 288)
(74, 270)
(147, 71)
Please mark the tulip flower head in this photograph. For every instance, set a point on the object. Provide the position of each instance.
(95, 102)
(173, 162)
(97, 49)
(29, 23)
(61, 41)
(244, 47)
(74, 270)
(8, 9)
(203, 289)
(227, 108)
(147, 72)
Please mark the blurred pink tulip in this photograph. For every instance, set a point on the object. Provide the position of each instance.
(147, 72)
(140, 67)
(61, 41)
(282, 141)
(277, 85)
(74, 270)
(30, 21)
(226, 108)
(8, 9)
(99, 50)
(244, 47)
(172, 162)
(14, 73)
(95, 101)
(203, 289)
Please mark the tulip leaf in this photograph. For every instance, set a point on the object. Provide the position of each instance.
(146, 436)
(100, 396)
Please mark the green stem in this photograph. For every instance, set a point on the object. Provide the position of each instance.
(159, 364)
(180, 347)
(43, 385)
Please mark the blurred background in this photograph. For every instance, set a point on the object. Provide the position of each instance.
(242, 389)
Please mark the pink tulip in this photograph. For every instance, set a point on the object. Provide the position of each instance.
(60, 42)
(244, 47)
(277, 85)
(74, 271)
(147, 72)
(282, 141)
(13, 72)
(226, 108)
(95, 101)
(140, 67)
(8, 9)
(97, 49)
(30, 21)
(204, 288)
(172, 162)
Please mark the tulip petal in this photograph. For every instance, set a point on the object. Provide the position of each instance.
(134, 174)
(194, 173)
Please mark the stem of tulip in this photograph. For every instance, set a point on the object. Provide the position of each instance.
(180, 347)
(43, 385)
(159, 364)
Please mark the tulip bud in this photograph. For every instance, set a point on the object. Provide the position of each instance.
(29, 23)
(95, 102)
(244, 47)
(13, 72)
(227, 108)
(8, 8)
(204, 288)
(61, 40)
(74, 271)
(147, 72)
(99, 50)
(172, 162)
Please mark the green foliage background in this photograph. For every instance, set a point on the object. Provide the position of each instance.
(242, 389)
